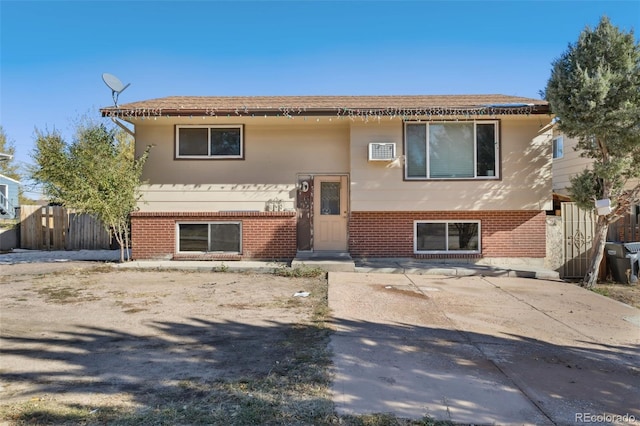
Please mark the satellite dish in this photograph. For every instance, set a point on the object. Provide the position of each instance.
(115, 85)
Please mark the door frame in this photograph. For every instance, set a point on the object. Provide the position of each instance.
(312, 188)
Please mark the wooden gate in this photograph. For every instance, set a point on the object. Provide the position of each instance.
(56, 228)
(578, 228)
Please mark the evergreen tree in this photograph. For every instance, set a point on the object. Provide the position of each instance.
(594, 91)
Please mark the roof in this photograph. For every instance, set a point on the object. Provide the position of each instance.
(348, 106)
(9, 179)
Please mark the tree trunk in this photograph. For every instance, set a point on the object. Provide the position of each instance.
(121, 250)
(127, 245)
(118, 236)
(599, 242)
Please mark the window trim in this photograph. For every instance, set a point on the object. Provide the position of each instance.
(447, 251)
(5, 194)
(177, 155)
(555, 153)
(498, 151)
(208, 223)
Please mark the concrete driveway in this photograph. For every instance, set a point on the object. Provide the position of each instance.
(483, 350)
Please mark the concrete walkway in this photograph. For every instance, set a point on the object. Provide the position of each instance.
(397, 266)
(384, 265)
(483, 350)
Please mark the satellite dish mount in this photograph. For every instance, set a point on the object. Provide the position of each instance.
(115, 85)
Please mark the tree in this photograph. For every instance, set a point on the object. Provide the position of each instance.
(594, 93)
(96, 174)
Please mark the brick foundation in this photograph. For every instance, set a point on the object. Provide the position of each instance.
(503, 233)
(272, 235)
(265, 235)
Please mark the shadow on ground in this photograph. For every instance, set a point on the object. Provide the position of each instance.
(201, 371)
(208, 370)
(477, 378)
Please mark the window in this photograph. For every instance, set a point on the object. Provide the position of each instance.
(209, 141)
(558, 147)
(451, 150)
(446, 237)
(222, 237)
(330, 198)
(4, 196)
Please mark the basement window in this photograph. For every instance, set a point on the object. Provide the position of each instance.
(211, 237)
(446, 237)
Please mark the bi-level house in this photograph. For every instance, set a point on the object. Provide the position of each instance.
(461, 177)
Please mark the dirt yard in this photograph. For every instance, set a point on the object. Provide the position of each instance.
(629, 294)
(81, 343)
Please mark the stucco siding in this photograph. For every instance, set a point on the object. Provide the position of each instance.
(217, 197)
(525, 174)
(275, 151)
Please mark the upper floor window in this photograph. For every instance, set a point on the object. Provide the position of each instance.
(558, 147)
(223, 141)
(451, 150)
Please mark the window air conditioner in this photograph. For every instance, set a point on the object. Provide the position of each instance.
(382, 151)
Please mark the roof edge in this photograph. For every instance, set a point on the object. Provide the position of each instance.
(11, 179)
(430, 112)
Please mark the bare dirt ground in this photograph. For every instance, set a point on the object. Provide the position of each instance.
(77, 334)
(83, 343)
(625, 293)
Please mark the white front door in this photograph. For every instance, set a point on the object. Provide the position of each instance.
(330, 213)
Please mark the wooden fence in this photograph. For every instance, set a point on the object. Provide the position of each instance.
(56, 228)
(627, 229)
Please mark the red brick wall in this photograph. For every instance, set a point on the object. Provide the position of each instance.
(272, 235)
(265, 235)
(503, 233)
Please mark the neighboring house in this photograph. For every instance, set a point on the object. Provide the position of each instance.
(465, 177)
(567, 163)
(9, 190)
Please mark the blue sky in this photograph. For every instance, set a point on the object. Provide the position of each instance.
(53, 53)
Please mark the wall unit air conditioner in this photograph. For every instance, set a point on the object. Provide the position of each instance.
(382, 151)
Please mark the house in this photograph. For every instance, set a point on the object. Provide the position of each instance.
(567, 163)
(9, 190)
(452, 178)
